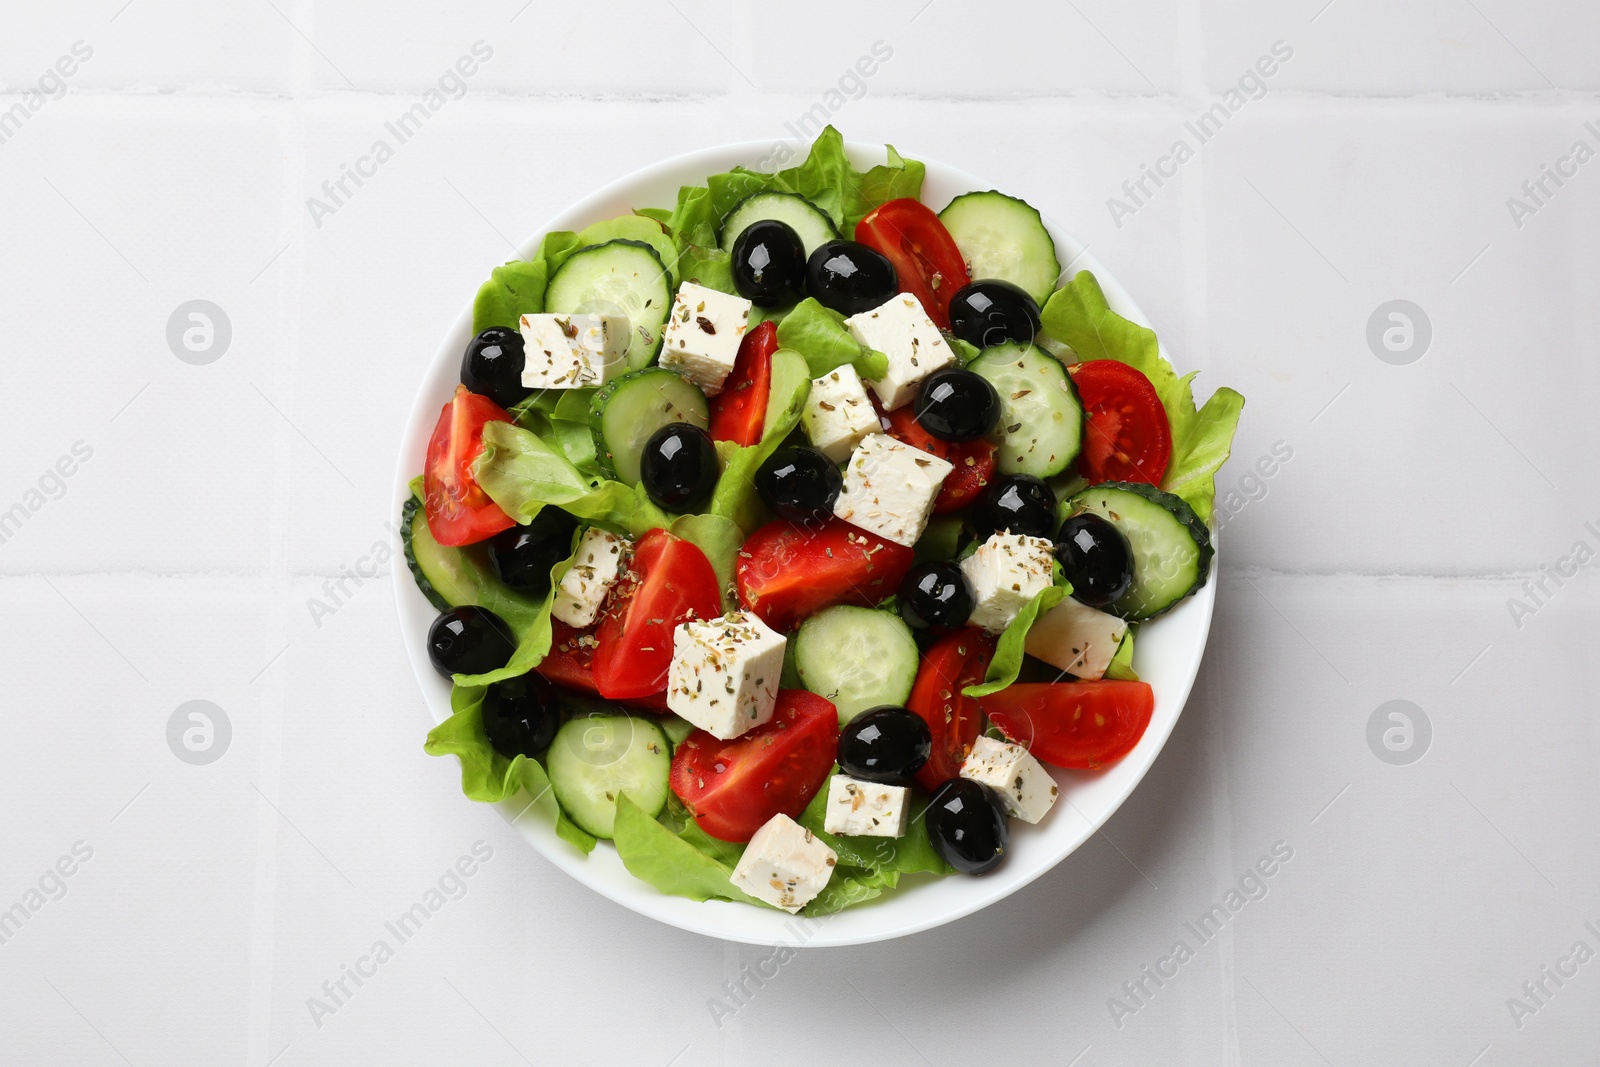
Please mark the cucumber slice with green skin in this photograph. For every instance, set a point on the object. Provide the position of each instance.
(619, 277)
(1003, 237)
(807, 220)
(1171, 546)
(595, 759)
(856, 657)
(1041, 420)
(414, 535)
(624, 413)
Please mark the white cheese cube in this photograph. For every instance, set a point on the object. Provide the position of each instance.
(572, 351)
(901, 330)
(703, 335)
(838, 413)
(866, 809)
(724, 673)
(594, 571)
(889, 488)
(784, 865)
(1006, 572)
(1024, 785)
(1076, 638)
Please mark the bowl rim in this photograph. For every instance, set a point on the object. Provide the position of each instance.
(899, 915)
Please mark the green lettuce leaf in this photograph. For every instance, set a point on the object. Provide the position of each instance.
(1121, 666)
(940, 539)
(534, 639)
(720, 539)
(734, 497)
(1008, 653)
(517, 288)
(488, 776)
(819, 334)
(850, 886)
(1078, 315)
(654, 854)
(911, 854)
(523, 474)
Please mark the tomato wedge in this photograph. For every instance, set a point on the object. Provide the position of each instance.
(669, 580)
(570, 664)
(1074, 724)
(973, 460)
(955, 661)
(733, 787)
(458, 511)
(925, 256)
(788, 571)
(739, 412)
(1127, 438)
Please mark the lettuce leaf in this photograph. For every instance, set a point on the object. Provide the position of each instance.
(1008, 653)
(517, 288)
(534, 638)
(654, 854)
(488, 776)
(819, 334)
(911, 854)
(1121, 666)
(734, 497)
(523, 474)
(1078, 315)
(850, 886)
(720, 539)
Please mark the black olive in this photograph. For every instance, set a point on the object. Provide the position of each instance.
(679, 466)
(469, 640)
(1019, 503)
(955, 404)
(992, 312)
(967, 826)
(799, 484)
(521, 715)
(492, 366)
(522, 556)
(769, 264)
(935, 593)
(1095, 558)
(886, 744)
(849, 277)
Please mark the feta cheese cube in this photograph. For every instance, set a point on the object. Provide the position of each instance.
(866, 809)
(1076, 638)
(889, 488)
(838, 413)
(703, 335)
(724, 673)
(1006, 572)
(901, 330)
(595, 569)
(1024, 785)
(784, 865)
(572, 351)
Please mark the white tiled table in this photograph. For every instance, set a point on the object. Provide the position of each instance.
(1376, 564)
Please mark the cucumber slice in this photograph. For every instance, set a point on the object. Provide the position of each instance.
(809, 221)
(1041, 420)
(595, 759)
(440, 572)
(624, 413)
(1003, 237)
(856, 657)
(619, 277)
(1171, 546)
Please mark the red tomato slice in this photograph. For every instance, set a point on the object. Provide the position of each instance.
(669, 580)
(733, 787)
(1074, 724)
(930, 266)
(787, 571)
(957, 660)
(739, 412)
(460, 513)
(973, 460)
(570, 664)
(1127, 438)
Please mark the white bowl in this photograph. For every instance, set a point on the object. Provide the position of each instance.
(1167, 653)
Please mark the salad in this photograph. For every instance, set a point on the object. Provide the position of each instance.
(785, 538)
